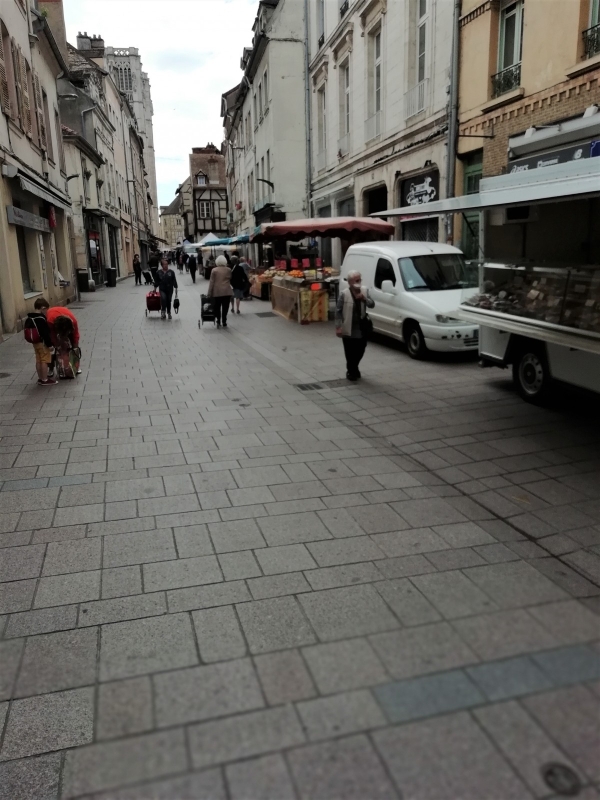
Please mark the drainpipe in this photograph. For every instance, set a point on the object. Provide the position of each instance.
(307, 109)
(453, 118)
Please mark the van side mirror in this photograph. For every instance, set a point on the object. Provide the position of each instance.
(388, 287)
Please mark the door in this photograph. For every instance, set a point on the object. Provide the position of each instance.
(385, 314)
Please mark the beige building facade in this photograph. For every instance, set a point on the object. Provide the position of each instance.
(529, 110)
(171, 224)
(35, 208)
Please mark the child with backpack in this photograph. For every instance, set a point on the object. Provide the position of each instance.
(37, 333)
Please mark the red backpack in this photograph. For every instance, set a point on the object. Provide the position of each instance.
(31, 332)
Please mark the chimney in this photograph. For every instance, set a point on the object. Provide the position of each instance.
(55, 17)
(83, 41)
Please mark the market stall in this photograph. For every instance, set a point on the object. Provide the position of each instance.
(300, 288)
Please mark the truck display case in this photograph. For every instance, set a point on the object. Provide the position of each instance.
(542, 319)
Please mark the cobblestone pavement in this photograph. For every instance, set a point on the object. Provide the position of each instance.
(218, 585)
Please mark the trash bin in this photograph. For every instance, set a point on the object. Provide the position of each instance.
(83, 280)
(111, 277)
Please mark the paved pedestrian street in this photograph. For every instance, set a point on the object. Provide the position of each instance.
(219, 582)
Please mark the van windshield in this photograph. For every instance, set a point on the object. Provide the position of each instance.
(434, 273)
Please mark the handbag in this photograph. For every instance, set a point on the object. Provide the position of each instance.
(176, 304)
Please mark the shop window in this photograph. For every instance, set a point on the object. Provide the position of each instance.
(325, 241)
(473, 170)
(384, 271)
(23, 259)
(346, 208)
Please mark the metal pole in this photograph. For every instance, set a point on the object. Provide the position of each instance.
(453, 117)
(307, 108)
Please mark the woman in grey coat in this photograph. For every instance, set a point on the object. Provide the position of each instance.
(351, 322)
(219, 289)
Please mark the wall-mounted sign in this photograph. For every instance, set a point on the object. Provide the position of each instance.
(420, 189)
(16, 216)
(575, 152)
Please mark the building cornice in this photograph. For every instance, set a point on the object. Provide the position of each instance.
(482, 8)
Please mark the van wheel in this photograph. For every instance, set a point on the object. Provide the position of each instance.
(531, 373)
(415, 342)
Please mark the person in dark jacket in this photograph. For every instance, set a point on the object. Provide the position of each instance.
(239, 283)
(165, 281)
(192, 266)
(137, 270)
(153, 263)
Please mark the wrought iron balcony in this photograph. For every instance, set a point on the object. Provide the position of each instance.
(373, 126)
(344, 8)
(321, 41)
(416, 99)
(343, 145)
(506, 80)
(591, 41)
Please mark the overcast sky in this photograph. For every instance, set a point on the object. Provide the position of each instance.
(191, 50)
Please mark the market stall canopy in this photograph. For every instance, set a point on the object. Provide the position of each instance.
(360, 228)
(575, 179)
(208, 239)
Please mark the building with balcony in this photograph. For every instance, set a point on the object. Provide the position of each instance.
(529, 100)
(35, 207)
(379, 79)
(264, 123)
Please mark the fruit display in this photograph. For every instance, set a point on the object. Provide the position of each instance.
(295, 273)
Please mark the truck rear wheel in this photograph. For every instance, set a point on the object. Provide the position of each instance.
(531, 373)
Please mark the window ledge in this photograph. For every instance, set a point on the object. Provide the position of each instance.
(503, 100)
(31, 295)
(583, 66)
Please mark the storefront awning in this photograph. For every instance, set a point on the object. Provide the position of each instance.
(559, 182)
(45, 193)
(336, 227)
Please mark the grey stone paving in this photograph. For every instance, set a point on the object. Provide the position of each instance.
(216, 586)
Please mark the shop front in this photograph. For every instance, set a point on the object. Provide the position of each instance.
(34, 246)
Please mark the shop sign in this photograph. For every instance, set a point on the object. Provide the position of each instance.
(575, 152)
(421, 189)
(16, 216)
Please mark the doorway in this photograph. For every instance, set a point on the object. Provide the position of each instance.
(375, 200)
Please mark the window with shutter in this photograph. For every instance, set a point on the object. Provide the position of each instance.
(16, 65)
(39, 112)
(26, 114)
(4, 88)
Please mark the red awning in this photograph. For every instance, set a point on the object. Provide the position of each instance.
(359, 229)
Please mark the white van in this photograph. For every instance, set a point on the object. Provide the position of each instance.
(417, 288)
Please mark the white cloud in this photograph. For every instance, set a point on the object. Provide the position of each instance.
(191, 51)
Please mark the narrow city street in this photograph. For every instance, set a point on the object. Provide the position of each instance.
(227, 572)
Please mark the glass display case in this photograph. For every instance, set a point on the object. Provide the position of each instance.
(565, 296)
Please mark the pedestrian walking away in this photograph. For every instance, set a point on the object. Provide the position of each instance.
(239, 283)
(352, 323)
(166, 283)
(153, 263)
(192, 266)
(219, 289)
(137, 270)
(37, 333)
(233, 262)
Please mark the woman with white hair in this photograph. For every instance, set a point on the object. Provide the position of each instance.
(352, 324)
(219, 289)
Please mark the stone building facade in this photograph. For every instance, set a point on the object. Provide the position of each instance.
(125, 64)
(379, 73)
(35, 207)
(171, 224)
(265, 122)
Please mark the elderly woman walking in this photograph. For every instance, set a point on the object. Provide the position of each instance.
(352, 324)
(219, 289)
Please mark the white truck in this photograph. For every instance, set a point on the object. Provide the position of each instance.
(542, 320)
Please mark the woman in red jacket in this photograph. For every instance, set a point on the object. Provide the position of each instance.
(64, 329)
